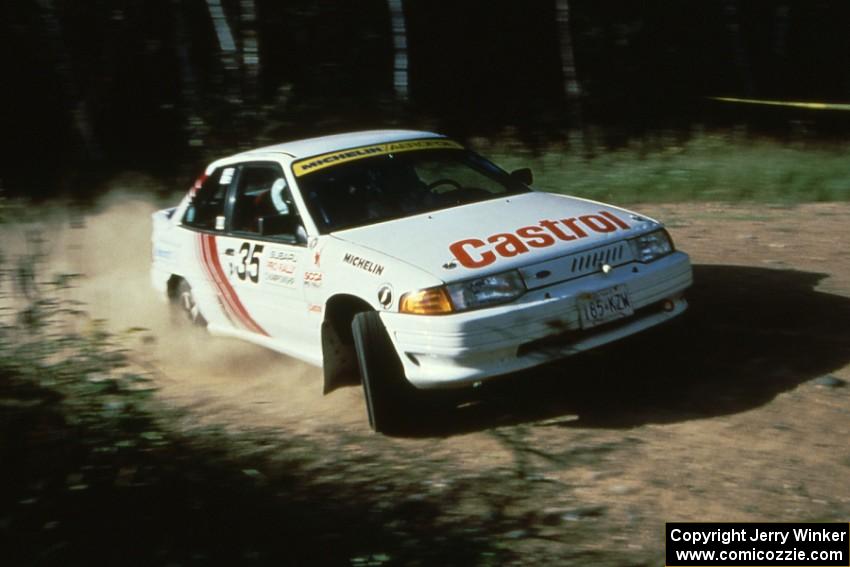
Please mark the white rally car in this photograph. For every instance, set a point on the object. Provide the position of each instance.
(405, 261)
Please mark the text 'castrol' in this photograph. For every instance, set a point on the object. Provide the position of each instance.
(477, 253)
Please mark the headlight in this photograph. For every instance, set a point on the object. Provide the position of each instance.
(485, 291)
(462, 296)
(651, 246)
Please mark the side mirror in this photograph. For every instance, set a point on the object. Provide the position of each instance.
(523, 175)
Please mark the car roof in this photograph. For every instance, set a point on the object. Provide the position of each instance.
(315, 146)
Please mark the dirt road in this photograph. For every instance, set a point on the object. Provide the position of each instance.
(728, 415)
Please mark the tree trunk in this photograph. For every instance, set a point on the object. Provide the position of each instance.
(780, 30)
(250, 52)
(77, 106)
(223, 33)
(228, 54)
(740, 54)
(399, 27)
(569, 75)
(572, 90)
(233, 77)
(193, 126)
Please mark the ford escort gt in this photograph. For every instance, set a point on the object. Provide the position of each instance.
(402, 260)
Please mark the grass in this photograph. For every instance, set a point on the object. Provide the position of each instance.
(706, 167)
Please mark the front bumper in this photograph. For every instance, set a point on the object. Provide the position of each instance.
(449, 351)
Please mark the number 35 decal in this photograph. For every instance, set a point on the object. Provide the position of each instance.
(248, 265)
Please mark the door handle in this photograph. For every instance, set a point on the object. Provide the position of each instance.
(229, 252)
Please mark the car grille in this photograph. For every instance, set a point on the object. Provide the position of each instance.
(590, 261)
(576, 265)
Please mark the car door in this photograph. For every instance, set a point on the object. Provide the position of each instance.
(205, 218)
(264, 254)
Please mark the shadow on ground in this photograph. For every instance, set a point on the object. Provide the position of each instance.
(80, 486)
(749, 335)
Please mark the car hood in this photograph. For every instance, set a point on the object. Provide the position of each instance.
(498, 235)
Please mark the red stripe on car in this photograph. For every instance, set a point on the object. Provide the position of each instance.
(202, 255)
(212, 263)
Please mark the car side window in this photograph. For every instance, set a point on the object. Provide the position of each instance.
(263, 206)
(207, 205)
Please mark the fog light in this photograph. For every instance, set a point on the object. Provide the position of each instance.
(669, 305)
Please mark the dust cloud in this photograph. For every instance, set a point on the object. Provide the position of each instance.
(225, 381)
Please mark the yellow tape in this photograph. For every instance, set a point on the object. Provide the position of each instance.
(315, 163)
(793, 104)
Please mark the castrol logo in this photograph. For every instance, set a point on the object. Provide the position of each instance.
(481, 252)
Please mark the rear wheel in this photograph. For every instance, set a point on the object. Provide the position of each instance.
(389, 396)
(185, 308)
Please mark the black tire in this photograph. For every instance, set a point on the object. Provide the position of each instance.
(389, 396)
(185, 309)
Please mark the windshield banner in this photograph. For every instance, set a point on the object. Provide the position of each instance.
(315, 163)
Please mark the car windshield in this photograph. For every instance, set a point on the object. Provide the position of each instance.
(395, 185)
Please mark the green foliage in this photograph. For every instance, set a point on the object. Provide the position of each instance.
(706, 167)
(50, 345)
(98, 472)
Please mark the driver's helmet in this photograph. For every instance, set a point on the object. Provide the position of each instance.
(280, 199)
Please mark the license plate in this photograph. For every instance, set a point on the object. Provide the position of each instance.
(604, 306)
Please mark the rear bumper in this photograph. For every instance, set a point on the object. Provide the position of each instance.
(455, 350)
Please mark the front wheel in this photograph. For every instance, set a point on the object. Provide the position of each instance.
(389, 396)
(185, 308)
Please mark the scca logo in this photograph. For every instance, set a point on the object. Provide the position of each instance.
(477, 253)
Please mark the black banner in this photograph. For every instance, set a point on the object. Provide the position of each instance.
(757, 544)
